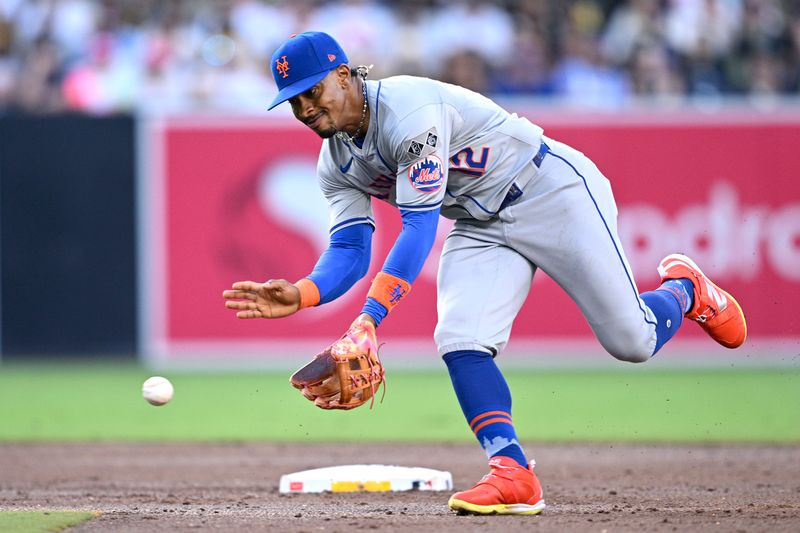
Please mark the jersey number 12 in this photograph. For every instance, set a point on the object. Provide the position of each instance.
(464, 161)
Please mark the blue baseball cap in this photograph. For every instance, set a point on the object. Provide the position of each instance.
(302, 61)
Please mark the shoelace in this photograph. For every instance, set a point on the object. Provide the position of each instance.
(703, 318)
(497, 470)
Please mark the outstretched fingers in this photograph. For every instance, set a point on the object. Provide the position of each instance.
(262, 300)
(239, 295)
(234, 304)
(255, 313)
(246, 309)
(250, 286)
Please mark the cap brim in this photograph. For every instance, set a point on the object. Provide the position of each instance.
(300, 86)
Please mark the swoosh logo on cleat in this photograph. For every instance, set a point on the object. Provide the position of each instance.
(719, 298)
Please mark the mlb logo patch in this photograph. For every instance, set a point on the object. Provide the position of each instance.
(415, 148)
(427, 175)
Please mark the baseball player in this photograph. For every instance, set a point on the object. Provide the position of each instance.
(521, 201)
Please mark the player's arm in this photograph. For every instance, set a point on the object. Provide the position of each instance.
(421, 183)
(403, 264)
(344, 263)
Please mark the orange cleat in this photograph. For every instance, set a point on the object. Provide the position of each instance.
(507, 489)
(717, 312)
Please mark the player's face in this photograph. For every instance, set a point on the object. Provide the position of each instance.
(321, 107)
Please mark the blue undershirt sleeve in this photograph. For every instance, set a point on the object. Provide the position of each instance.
(344, 262)
(408, 254)
(413, 245)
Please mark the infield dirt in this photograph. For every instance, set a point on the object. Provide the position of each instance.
(234, 487)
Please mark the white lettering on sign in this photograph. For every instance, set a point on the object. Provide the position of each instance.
(727, 237)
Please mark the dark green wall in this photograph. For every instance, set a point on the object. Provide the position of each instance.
(67, 236)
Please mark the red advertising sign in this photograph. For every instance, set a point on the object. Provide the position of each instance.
(229, 200)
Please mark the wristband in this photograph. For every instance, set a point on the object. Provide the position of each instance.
(388, 290)
(309, 293)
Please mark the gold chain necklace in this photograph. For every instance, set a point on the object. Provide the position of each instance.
(350, 138)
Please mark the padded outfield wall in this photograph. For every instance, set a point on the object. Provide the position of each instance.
(233, 198)
(67, 237)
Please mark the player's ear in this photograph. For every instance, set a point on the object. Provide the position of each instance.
(343, 75)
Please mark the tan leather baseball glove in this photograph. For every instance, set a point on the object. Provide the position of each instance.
(347, 373)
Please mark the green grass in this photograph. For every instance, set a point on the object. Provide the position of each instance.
(40, 521)
(103, 403)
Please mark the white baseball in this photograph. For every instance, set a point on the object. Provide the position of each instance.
(157, 390)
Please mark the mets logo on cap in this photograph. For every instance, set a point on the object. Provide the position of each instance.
(427, 175)
(282, 66)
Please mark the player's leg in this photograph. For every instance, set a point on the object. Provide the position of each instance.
(511, 487)
(566, 224)
(485, 400)
(685, 290)
(482, 284)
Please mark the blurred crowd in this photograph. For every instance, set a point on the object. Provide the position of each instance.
(107, 56)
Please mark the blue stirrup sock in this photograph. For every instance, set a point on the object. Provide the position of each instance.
(485, 401)
(673, 299)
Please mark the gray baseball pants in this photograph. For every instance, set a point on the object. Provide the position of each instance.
(565, 223)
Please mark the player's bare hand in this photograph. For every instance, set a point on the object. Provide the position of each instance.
(274, 299)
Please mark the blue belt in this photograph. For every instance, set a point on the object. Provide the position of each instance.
(539, 157)
(515, 192)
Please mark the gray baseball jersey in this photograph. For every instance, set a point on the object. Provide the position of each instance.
(430, 145)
